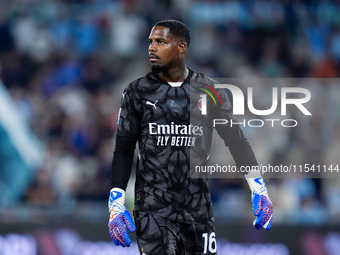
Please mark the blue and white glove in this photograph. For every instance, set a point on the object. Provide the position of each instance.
(120, 218)
(262, 206)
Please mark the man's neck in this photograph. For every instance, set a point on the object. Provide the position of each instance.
(175, 75)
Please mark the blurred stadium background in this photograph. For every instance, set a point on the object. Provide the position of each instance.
(63, 66)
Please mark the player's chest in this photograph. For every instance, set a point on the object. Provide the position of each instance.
(165, 103)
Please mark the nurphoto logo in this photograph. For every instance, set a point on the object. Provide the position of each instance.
(295, 96)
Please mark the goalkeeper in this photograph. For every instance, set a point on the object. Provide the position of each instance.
(173, 212)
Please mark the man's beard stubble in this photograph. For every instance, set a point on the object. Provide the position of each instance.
(157, 69)
(161, 69)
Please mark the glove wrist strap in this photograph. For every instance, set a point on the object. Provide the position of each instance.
(257, 186)
(117, 195)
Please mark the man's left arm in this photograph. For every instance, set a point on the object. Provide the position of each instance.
(245, 158)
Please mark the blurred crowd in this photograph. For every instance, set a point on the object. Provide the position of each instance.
(65, 64)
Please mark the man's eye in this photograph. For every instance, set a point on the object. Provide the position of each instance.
(158, 42)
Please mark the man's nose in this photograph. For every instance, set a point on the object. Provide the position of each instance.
(152, 47)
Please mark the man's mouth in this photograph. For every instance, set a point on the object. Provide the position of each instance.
(153, 57)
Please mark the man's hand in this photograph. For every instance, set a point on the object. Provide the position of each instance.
(120, 218)
(262, 206)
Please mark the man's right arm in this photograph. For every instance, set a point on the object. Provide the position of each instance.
(126, 138)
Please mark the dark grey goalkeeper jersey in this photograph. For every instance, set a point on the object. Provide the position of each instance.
(173, 135)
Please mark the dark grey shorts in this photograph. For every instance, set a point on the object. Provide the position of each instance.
(160, 236)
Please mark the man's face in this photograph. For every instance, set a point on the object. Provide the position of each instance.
(164, 50)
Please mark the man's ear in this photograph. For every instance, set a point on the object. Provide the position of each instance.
(182, 47)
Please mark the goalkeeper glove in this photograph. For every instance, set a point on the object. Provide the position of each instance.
(119, 218)
(262, 206)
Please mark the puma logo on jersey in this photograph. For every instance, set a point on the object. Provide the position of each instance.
(153, 104)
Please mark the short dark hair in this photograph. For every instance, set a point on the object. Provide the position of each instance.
(177, 29)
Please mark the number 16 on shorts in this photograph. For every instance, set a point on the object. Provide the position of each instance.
(209, 243)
